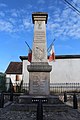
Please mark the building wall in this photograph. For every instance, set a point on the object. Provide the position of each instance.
(25, 72)
(13, 78)
(63, 71)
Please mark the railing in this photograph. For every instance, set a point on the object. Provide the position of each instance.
(62, 87)
(54, 87)
(22, 88)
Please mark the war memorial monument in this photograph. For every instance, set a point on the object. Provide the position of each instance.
(39, 69)
(39, 86)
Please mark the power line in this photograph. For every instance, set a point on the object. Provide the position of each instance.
(75, 4)
(72, 7)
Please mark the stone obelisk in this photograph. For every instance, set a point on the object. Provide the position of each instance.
(39, 69)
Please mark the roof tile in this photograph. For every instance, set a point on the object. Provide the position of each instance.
(14, 68)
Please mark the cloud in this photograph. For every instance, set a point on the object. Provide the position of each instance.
(27, 23)
(51, 7)
(66, 23)
(15, 21)
(6, 26)
(41, 1)
(2, 14)
(64, 46)
(29, 6)
(12, 20)
(3, 5)
(62, 22)
(13, 12)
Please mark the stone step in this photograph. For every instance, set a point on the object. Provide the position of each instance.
(33, 107)
(7, 103)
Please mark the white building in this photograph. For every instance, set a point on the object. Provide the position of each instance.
(65, 69)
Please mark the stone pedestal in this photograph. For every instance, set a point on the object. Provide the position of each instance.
(39, 78)
(39, 69)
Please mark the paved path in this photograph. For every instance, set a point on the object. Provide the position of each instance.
(62, 114)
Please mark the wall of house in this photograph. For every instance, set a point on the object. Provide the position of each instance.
(63, 71)
(13, 78)
(25, 71)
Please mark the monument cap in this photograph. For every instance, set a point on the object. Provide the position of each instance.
(42, 16)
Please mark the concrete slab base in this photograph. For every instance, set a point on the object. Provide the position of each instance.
(27, 99)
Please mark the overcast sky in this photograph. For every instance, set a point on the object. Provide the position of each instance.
(16, 27)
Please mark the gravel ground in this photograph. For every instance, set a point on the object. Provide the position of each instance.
(68, 114)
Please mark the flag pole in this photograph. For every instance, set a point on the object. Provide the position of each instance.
(28, 45)
(30, 53)
(50, 45)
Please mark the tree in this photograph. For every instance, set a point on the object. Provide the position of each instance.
(2, 81)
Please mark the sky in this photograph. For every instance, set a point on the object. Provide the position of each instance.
(16, 27)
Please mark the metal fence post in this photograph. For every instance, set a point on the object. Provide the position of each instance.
(65, 96)
(75, 105)
(40, 110)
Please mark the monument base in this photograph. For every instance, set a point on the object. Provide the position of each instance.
(39, 79)
(39, 83)
(29, 99)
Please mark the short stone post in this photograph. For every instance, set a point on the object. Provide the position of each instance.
(11, 93)
(75, 105)
(40, 110)
(2, 100)
(11, 96)
(65, 96)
